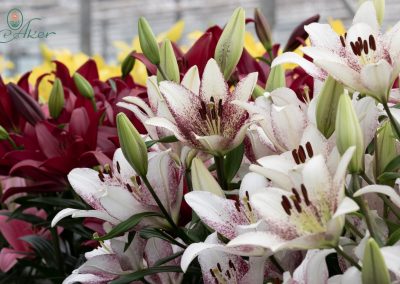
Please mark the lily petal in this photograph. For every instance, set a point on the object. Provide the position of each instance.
(213, 82)
(191, 80)
(383, 189)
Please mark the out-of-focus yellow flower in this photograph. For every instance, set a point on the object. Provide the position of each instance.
(253, 46)
(139, 70)
(337, 25)
(5, 64)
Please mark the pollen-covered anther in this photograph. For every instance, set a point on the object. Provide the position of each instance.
(118, 167)
(101, 176)
(211, 113)
(286, 205)
(309, 149)
(302, 154)
(295, 156)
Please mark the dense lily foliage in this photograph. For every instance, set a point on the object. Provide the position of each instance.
(217, 164)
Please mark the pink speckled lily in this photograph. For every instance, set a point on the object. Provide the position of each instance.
(309, 216)
(363, 59)
(205, 116)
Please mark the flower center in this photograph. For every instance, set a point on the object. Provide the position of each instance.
(211, 113)
(223, 277)
(246, 207)
(364, 49)
(300, 155)
(302, 211)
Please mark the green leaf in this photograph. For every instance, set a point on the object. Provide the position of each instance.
(166, 139)
(389, 176)
(127, 225)
(43, 248)
(137, 275)
(393, 165)
(53, 201)
(394, 238)
(233, 161)
(168, 258)
(148, 233)
(33, 219)
(374, 269)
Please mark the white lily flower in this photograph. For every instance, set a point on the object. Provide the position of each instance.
(310, 216)
(313, 269)
(204, 116)
(363, 59)
(382, 189)
(117, 194)
(282, 117)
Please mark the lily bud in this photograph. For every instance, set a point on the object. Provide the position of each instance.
(203, 180)
(132, 145)
(374, 269)
(127, 65)
(168, 63)
(3, 133)
(385, 150)
(257, 92)
(348, 132)
(83, 86)
(263, 29)
(25, 104)
(327, 106)
(276, 78)
(56, 99)
(148, 42)
(380, 10)
(230, 45)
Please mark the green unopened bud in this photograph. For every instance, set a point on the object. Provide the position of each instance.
(168, 63)
(132, 145)
(276, 78)
(148, 42)
(203, 180)
(348, 133)
(385, 150)
(127, 65)
(374, 269)
(327, 106)
(380, 10)
(263, 29)
(83, 86)
(56, 99)
(230, 45)
(257, 92)
(3, 133)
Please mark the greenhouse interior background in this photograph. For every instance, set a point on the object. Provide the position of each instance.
(108, 28)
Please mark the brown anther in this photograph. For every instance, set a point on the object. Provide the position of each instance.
(360, 41)
(212, 273)
(342, 41)
(365, 47)
(305, 195)
(219, 267)
(101, 176)
(302, 154)
(372, 43)
(295, 156)
(138, 180)
(228, 274)
(203, 111)
(118, 167)
(296, 194)
(353, 48)
(212, 99)
(237, 205)
(297, 205)
(358, 48)
(249, 206)
(231, 265)
(247, 195)
(345, 35)
(128, 187)
(286, 204)
(309, 149)
(220, 108)
(213, 113)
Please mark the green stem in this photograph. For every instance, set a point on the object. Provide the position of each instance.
(163, 74)
(352, 228)
(159, 203)
(395, 125)
(94, 104)
(364, 208)
(57, 251)
(341, 252)
(219, 163)
(12, 143)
